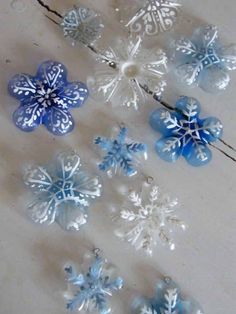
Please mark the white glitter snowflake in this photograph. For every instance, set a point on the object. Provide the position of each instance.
(145, 222)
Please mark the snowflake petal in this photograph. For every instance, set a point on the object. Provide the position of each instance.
(22, 87)
(198, 155)
(169, 148)
(161, 120)
(58, 121)
(188, 107)
(212, 129)
(72, 95)
(43, 210)
(52, 74)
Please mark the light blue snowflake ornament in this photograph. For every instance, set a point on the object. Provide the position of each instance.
(63, 192)
(203, 61)
(121, 154)
(184, 133)
(89, 291)
(46, 99)
(167, 300)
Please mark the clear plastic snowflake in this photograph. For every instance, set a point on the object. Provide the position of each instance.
(184, 133)
(168, 300)
(121, 154)
(154, 17)
(91, 290)
(145, 221)
(203, 61)
(82, 25)
(63, 192)
(125, 70)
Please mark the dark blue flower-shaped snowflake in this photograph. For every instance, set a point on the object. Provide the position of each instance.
(168, 300)
(203, 61)
(63, 192)
(92, 289)
(46, 98)
(121, 153)
(184, 133)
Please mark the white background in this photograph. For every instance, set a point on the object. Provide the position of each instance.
(32, 257)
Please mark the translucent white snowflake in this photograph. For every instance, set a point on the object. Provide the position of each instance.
(145, 222)
(125, 70)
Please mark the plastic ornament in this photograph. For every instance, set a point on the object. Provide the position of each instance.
(122, 155)
(63, 192)
(167, 300)
(82, 25)
(156, 16)
(89, 291)
(46, 99)
(184, 133)
(147, 218)
(125, 70)
(203, 61)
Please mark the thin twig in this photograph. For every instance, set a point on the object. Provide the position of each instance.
(44, 5)
(223, 152)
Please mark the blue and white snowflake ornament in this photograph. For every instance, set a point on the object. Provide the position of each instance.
(46, 98)
(121, 154)
(63, 192)
(184, 133)
(167, 300)
(89, 291)
(203, 61)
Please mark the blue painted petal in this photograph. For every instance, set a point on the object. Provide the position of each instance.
(96, 268)
(68, 164)
(214, 79)
(43, 210)
(72, 95)
(28, 116)
(198, 155)
(52, 74)
(22, 87)
(188, 106)
(213, 129)
(169, 148)
(163, 121)
(228, 56)
(58, 121)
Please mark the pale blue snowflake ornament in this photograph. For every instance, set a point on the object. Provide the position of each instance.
(184, 133)
(167, 300)
(63, 192)
(89, 291)
(46, 99)
(203, 61)
(121, 154)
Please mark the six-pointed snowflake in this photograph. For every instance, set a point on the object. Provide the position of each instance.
(83, 25)
(92, 289)
(120, 153)
(184, 133)
(132, 68)
(145, 221)
(63, 192)
(203, 61)
(46, 98)
(167, 300)
(155, 17)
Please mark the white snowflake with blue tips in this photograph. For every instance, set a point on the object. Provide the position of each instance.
(63, 192)
(92, 289)
(121, 153)
(168, 300)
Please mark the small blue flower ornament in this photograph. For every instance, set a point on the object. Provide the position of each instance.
(121, 154)
(90, 291)
(184, 133)
(203, 61)
(63, 192)
(167, 300)
(46, 99)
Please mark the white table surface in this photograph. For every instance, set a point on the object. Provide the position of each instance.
(32, 257)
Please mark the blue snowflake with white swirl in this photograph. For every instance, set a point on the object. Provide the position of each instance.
(122, 154)
(63, 192)
(46, 98)
(184, 133)
(167, 300)
(91, 290)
